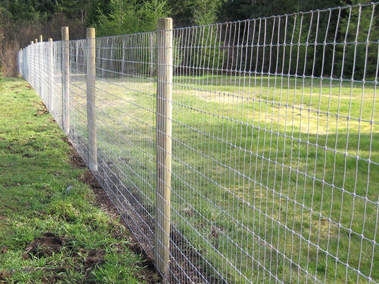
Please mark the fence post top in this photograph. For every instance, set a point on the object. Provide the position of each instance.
(49, 39)
(65, 33)
(91, 32)
(164, 23)
(40, 38)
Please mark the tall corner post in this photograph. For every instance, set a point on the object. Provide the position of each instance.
(91, 98)
(164, 146)
(66, 80)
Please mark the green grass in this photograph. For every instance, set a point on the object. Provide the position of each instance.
(264, 170)
(34, 175)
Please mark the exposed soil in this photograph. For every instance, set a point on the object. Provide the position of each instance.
(80, 259)
(3, 249)
(41, 109)
(149, 275)
(75, 158)
(4, 276)
(46, 246)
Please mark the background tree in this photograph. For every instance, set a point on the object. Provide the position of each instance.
(23, 20)
(130, 16)
(206, 12)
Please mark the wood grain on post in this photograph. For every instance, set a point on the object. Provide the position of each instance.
(91, 98)
(51, 75)
(66, 80)
(163, 151)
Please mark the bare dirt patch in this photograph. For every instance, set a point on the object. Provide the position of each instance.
(45, 246)
(94, 257)
(41, 109)
(3, 249)
(49, 244)
(75, 159)
(4, 276)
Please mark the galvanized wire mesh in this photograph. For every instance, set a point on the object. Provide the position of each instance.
(275, 142)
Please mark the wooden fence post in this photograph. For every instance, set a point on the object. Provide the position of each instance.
(123, 57)
(20, 55)
(40, 66)
(66, 80)
(23, 62)
(35, 64)
(163, 151)
(151, 65)
(51, 75)
(91, 99)
(30, 66)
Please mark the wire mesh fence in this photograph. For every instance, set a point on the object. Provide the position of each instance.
(275, 138)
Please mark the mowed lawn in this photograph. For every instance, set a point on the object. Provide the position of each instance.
(51, 230)
(274, 178)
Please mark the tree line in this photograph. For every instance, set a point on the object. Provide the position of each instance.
(21, 21)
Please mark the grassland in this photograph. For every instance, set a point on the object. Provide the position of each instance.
(274, 178)
(51, 230)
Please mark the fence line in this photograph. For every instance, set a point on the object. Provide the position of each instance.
(275, 142)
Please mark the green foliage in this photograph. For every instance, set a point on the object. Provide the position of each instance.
(120, 20)
(95, 9)
(127, 17)
(4, 16)
(247, 9)
(210, 55)
(182, 12)
(113, 271)
(149, 13)
(356, 65)
(206, 12)
(22, 10)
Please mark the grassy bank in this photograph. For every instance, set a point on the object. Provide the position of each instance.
(51, 230)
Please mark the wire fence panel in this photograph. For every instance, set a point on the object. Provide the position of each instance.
(125, 94)
(275, 139)
(78, 94)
